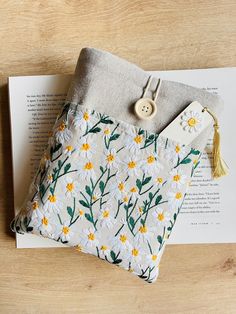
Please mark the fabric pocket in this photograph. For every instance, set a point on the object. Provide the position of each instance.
(109, 188)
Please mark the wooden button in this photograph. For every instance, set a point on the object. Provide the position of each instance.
(145, 108)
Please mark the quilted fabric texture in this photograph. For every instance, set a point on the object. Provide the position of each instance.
(109, 188)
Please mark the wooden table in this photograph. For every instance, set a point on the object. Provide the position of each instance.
(45, 37)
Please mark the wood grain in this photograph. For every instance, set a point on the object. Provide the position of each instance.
(45, 37)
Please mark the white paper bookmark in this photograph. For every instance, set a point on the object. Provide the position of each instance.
(188, 124)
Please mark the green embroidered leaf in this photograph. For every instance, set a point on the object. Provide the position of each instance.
(140, 132)
(147, 180)
(89, 217)
(159, 239)
(51, 190)
(175, 216)
(59, 163)
(169, 228)
(70, 211)
(150, 195)
(67, 167)
(142, 221)
(95, 130)
(118, 261)
(131, 222)
(54, 170)
(114, 137)
(186, 161)
(83, 203)
(113, 255)
(88, 190)
(106, 121)
(101, 169)
(42, 188)
(158, 199)
(55, 148)
(101, 186)
(195, 152)
(139, 184)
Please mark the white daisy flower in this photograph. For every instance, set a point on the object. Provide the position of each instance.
(177, 178)
(175, 152)
(68, 150)
(151, 164)
(191, 121)
(106, 132)
(175, 199)
(33, 208)
(134, 254)
(63, 134)
(144, 233)
(110, 159)
(86, 147)
(134, 192)
(80, 213)
(43, 223)
(152, 259)
(86, 170)
(131, 166)
(118, 190)
(96, 196)
(45, 161)
(49, 178)
(70, 187)
(158, 181)
(65, 232)
(161, 217)
(134, 141)
(121, 242)
(104, 250)
(53, 204)
(91, 237)
(106, 219)
(82, 120)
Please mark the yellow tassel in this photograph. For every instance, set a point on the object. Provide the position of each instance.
(219, 166)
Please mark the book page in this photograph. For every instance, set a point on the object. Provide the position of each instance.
(35, 102)
(208, 214)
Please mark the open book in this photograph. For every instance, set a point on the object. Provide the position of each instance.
(208, 214)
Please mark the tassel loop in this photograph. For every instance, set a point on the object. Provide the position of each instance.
(219, 166)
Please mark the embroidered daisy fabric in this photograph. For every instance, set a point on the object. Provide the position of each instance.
(109, 188)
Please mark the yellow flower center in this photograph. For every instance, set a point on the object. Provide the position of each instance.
(91, 236)
(192, 122)
(45, 221)
(151, 159)
(133, 190)
(94, 198)
(107, 131)
(85, 147)
(62, 126)
(86, 116)
(123, 238)
(138, 139)
(177, 149)
(195, 161)
(81, 212)
(70, 186)
(159, 180)
(69, 148)
(176, 178)
(50, 177)
(135, 252)
(125, 199)
(79, 248)
(160, 216)
(132, 164)
(178, 195)
(110, 158)
(105, 214)
(35, 205)
(140, 210)
(143, 229)
(65, 230)
(154, 257)
(88, 166)
(121, 186)
(103, 247)
(52, 198)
